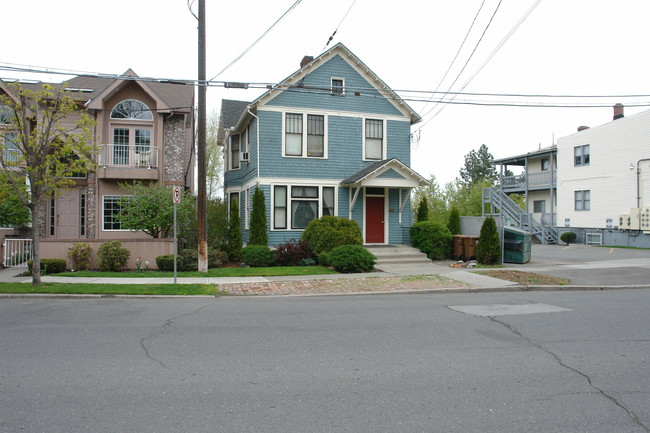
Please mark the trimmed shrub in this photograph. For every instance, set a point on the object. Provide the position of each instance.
(328, 232)
(568, 237)
(423, 210)
(432, 238)
(257, 256)
(165, 263)
(324, 259)
(291, 253)
(48, 266)
(258, 234)
(307, 262)
(112, 256)
(79, 255)
(352, 258)
(216, 258)
(454, 221)
(488, 249)
(234, 232)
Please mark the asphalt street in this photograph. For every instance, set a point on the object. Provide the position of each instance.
(488, 362)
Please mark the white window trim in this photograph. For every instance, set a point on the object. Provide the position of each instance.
(289, 199)
(103, 209)
(384, 144)
(304, 134)
(230, 158)
(247, 208)
(342, 87)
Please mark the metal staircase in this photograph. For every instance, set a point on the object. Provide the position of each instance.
(496, 203)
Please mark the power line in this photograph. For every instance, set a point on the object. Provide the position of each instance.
(337, 27)
(492, 54)
(471, 54)
(457, 52)
(257, 40)
(407, 95)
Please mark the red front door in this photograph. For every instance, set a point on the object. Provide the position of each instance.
(374, 220)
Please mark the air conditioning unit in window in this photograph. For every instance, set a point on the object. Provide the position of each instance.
(244, 156)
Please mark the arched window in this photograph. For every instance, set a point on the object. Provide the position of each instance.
(131, 109)
(5, 115)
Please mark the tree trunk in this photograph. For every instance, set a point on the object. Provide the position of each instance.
(36, 240)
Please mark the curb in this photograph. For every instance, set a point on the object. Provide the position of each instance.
(507, 289)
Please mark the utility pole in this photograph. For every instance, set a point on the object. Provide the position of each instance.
(201, 144)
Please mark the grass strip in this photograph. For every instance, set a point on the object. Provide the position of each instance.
(216, 272)
(111, 289)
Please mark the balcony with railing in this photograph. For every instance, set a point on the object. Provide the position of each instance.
(122, 161)
(535, 181)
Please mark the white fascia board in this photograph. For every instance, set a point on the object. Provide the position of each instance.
(281, 109)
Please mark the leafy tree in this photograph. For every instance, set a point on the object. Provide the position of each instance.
(234, 232)
(423, 210)
(488, 250)
(454, 221)
(214, 158)
(478, 167)
(259, 235)
(13, 211)
(436, 201)
(52, 141)
(150, 209)
(467, 199)
(217, 211)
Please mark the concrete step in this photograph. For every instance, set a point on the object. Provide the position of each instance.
(397, 254)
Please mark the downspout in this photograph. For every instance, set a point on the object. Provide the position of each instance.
(638, 181)
(257, 135)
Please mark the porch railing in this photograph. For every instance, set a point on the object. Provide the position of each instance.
(535, 180)
(128, 156)
(17, 252)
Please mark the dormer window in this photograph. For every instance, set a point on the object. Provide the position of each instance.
(131, 109)
(338, 86)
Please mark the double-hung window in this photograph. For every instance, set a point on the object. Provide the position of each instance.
(581, 155)
(583, 200)
(234, 151)
(374, 139)
(294, 206)
(301, 128)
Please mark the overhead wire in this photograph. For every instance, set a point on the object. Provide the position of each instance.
(471, 54)
(257, 40)
(457, 52)
(337, 27)
(492, 54)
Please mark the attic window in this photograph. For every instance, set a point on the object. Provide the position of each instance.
(338, 85)
(131, 109)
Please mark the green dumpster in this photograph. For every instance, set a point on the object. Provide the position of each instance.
(516, 245)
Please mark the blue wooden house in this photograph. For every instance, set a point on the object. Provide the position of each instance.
(331, 139)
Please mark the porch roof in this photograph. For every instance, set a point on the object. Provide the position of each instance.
(390, 173)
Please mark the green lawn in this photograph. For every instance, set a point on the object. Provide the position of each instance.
(111, 289)
(217, 272)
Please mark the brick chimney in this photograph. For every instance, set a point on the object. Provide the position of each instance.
(618, 111)
(305, 61)
(582, 128)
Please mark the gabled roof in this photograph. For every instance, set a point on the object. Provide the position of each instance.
(231, 112)
(172, 96)
(400, 175)
(356, 64)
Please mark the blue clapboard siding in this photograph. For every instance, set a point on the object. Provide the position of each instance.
(316, 92)
(390, 174)
(398, 232)
(344, 148)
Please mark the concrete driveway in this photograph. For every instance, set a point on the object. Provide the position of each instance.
(590, 265)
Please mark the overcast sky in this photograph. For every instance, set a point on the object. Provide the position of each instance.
(565, 47)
